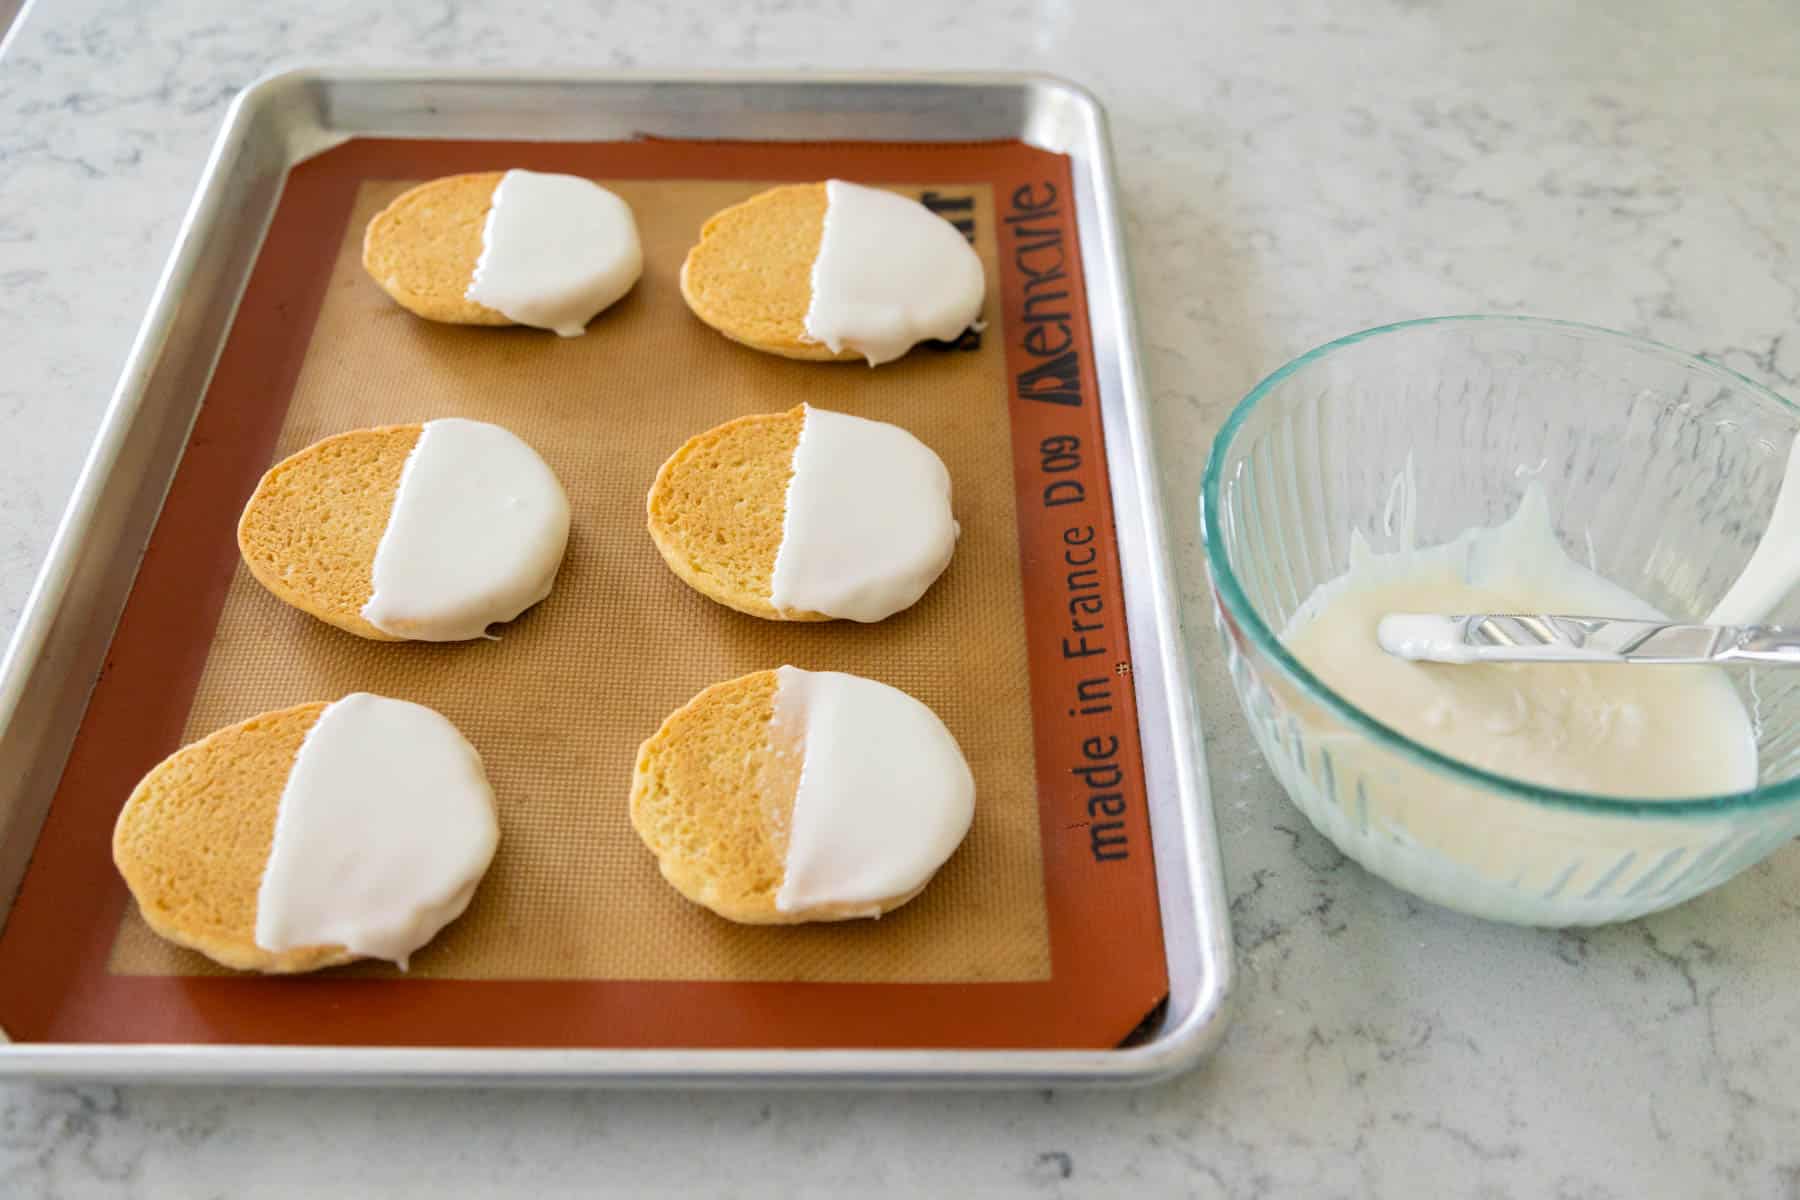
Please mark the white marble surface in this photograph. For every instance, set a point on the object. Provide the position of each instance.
(1291, 171)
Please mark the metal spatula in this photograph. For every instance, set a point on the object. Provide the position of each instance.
(1551, 637)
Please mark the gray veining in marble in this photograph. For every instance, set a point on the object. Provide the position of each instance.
(1292, 170)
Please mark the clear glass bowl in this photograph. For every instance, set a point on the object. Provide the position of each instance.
(1660, 469)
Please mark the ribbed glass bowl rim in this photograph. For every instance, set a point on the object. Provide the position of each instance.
(1231, 593)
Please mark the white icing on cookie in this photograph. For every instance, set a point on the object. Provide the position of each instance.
(385, 827)
(478, 529)
(556, 249)
(868, 524)
(885, 795)
(890, 274)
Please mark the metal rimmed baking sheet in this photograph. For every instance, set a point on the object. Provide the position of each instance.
(63, 637)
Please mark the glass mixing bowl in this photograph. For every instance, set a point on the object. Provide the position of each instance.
(1660, 470)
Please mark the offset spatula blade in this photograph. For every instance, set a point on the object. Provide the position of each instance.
(1556, 637)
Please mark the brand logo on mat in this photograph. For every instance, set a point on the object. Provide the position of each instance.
(1036, 241)
(1040, 252)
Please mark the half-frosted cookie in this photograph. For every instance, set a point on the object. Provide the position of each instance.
(787, 796)
(310, 836)
(833, 270)
(805, 515)
(505, 248)
(426, 532)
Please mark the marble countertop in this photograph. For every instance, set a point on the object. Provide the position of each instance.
(1291, 170)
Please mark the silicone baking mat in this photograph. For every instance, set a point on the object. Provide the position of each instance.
(1041, 931)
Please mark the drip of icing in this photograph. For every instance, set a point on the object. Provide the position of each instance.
(890, 274)
(477, 532)
(885, 795)
(555, 250)
(1605, 728)
(1774, 566)
(868, 524)
(385, 827)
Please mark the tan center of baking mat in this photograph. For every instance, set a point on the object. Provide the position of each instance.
(558, 705)
(1040, 931)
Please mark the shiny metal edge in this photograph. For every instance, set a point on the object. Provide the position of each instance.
(290, 115)
(59, 645)
(12, 19)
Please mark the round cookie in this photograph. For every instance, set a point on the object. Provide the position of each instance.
(197, 842)
(806, 515)
(505, 248)
(192, 840)
(750, 274)
(425, 532)
(789, 796)
(833, 271)
(422, 248)
(717, 506)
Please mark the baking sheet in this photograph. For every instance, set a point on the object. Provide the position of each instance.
(1061, 947)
